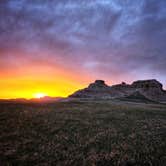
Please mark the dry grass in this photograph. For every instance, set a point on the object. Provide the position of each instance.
(97, 133)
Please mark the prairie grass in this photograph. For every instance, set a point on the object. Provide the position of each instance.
(96, 133)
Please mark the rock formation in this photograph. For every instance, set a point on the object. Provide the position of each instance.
(98, 89)
(148, 89)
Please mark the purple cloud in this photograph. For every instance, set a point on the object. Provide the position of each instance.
(112, 39)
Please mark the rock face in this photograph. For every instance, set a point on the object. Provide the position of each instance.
(148, 89)
(98, 89)
(147, 84)
(152, 89)
(98, 85)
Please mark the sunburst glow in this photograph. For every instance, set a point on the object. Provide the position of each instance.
(39, 95)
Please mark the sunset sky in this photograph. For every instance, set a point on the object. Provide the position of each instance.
(55, 47)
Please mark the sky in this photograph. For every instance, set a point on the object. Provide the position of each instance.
(58, 46)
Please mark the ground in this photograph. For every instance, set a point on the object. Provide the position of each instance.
(88, 133)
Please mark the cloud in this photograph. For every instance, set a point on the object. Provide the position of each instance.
(106, 37)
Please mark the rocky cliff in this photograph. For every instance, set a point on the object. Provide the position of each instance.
(98, 89)
(150, 89)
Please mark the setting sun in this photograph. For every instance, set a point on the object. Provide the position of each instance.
(39, 95)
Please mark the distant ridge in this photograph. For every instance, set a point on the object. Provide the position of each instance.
(141, 90)
(45, 99)
(151, 90)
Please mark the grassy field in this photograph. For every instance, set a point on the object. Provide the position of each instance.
(96, 133)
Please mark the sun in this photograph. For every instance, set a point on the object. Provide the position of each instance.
(39, 95)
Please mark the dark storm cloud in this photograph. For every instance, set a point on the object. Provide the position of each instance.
(104, 37)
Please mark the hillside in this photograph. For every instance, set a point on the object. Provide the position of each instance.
(150, 89)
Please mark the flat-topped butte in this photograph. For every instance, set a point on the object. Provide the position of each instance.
(150, 89)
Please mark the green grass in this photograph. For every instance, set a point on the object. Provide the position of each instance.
(92, 133)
